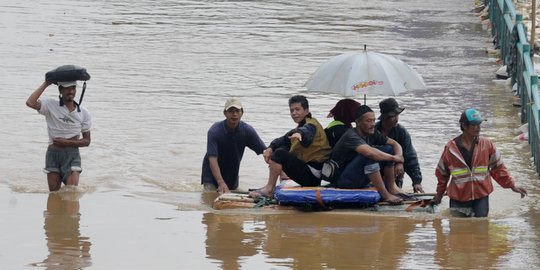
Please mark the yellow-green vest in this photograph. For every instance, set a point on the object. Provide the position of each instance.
(318, 151)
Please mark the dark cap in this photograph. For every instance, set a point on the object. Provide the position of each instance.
(389, 107)
(362, 110)
(471, 116)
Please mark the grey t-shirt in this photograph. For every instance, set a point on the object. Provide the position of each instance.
(345, 149)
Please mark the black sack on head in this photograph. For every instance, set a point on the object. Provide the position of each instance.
(67, 73)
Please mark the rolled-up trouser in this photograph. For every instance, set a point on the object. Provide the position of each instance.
(474, 208)
(355, 174)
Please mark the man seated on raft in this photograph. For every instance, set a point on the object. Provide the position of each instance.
(389, 126)
(300, 153)
(360, 154)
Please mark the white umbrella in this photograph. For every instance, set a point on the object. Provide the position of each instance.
(364, 72)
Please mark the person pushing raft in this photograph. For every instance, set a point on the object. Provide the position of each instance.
(466, 167)
(226, 143)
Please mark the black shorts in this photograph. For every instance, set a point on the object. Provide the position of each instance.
(296, 169)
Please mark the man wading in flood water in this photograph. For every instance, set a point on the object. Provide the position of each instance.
(66, 121)
(466, 167)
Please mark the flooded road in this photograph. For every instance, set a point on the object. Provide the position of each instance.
(161, 72)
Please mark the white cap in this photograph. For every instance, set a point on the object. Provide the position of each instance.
(68, 84)
(233, 102)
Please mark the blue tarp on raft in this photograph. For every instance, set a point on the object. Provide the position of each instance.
(324, 196)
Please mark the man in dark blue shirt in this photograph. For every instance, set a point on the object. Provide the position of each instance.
(226, 142)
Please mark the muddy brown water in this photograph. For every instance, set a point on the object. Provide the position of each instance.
(161, 72)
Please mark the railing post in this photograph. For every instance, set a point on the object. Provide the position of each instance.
(533, 127)
(503, 34)
(525, 95)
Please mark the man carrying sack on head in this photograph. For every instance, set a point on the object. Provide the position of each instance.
(68, 126)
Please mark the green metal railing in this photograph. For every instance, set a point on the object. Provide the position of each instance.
(511, 34)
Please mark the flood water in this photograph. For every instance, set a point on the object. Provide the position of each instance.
(161, 72)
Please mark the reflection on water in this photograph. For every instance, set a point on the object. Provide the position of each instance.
(308, 240)
(160, 75)
(470, 243)
(67, 248)
(351, 241)
(336, 241)
(226, 240)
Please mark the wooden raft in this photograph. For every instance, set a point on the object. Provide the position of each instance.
(243, 201)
